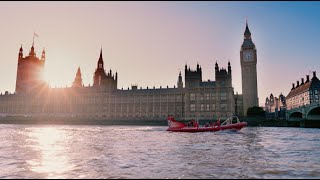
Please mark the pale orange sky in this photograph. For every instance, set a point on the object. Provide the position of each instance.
(147, 43)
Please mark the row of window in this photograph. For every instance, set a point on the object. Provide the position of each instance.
(214, 116)
(86, 101)
(143, 98)
(206, 96)
(206, 107)
(90, 109)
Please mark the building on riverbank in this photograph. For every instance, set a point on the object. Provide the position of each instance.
(275, 107)
(197, 99)
(304, 93)
(301, 103)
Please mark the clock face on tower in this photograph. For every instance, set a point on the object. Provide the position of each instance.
(248, 56)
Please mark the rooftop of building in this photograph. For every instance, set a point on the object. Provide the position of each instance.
(313, 83)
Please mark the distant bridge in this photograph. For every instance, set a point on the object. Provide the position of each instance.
(310, 112)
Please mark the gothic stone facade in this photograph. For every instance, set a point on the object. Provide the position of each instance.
(275, 107)
(197, 100)
(30, 72)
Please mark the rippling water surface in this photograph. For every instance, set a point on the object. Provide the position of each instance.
(44, 151)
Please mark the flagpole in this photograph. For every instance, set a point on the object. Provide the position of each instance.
(33, 39)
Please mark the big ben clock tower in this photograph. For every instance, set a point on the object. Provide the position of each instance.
(248, 61)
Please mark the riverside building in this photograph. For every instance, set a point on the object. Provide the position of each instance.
(192, 98)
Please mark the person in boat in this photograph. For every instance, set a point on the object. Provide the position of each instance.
(190, 124)
(218, 122)
(193, 123)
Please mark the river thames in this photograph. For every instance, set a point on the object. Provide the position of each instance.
(58, 151)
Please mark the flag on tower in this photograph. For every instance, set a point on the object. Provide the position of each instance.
(34, 34)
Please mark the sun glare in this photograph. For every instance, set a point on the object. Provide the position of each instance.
(49, 142)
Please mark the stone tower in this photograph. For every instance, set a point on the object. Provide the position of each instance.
(248, 61)
(104, 80)
(30, 72)
(193, 78)
(100, 72)
(223, 77)
(180, 83)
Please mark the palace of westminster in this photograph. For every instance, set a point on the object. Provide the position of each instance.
(190, 99)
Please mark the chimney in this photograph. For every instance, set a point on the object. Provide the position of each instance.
(292, 85)
(314, 74)
(302, 81)
(307, 79)
(297, 83)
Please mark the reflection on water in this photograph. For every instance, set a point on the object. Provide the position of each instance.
(151, 152)
(50, 143)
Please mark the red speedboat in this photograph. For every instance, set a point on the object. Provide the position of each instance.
(227, 124)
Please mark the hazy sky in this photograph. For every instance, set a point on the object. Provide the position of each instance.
(147, 43)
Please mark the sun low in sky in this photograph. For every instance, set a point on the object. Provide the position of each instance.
(148, 43)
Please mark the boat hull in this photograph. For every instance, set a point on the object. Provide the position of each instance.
(236, 126)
